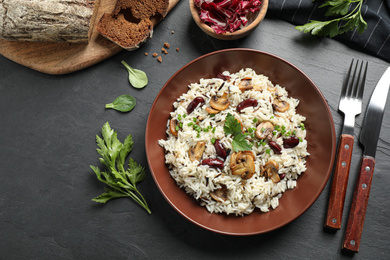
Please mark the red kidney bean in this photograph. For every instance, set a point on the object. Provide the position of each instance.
(251, 102)
(290, 142)
(213, 163)
(275, 147)
(194, 103)
(221, 151)
(281, 176)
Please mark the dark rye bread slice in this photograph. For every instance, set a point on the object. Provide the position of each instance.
(129, 25)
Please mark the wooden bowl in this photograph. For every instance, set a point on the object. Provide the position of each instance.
(321, 140)
(253, 21)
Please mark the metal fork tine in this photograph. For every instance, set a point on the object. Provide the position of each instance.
(361, 87)
(353, 79)
(345, 86)
(356, 86)
(359, 82)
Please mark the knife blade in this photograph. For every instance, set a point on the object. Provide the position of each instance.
(369, 136)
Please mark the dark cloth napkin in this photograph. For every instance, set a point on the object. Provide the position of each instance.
(375, 40)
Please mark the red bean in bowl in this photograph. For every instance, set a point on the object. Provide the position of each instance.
(251, 102)
(290, 142)
(194, 103)
(220, 149)
(213, 163)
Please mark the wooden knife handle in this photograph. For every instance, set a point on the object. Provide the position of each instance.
(358, 209)
(339, 183)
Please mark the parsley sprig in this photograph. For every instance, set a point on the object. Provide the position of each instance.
(346, 20)
(122, 182)
(233, 127)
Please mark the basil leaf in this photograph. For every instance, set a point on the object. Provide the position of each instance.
(137, 78)
(123, 103)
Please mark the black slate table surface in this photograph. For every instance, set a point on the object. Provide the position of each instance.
(47, 142)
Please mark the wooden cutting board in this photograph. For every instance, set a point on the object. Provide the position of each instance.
(63, 58)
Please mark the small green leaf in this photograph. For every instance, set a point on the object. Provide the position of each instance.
(361, 25)
(108, 195)
(232, 126)
(136, 172)
(123, 103)
(338, 7)
(348, 17)
(137, 78)
(313, 26)
(126, 149)
(239, 143)
(350, 23)
(331, 29)
(107, 134)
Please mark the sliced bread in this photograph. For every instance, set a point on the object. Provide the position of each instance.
(130, 24)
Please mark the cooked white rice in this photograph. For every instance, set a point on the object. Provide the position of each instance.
(243, 196)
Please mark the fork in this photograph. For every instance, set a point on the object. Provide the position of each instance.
(350, 105)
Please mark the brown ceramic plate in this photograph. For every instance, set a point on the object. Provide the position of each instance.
(320, 137)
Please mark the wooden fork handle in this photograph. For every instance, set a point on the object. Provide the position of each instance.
(357, 213)
(339, 183)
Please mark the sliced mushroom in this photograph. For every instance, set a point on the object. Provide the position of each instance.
(264, 130)
(220, 103)
(196, 152)
(257, 87)
(220, 194)
(172, 126)
(270, 169)
(280, 105)
(245, 84)
(243, 164)
(212, 110)
(271, 88)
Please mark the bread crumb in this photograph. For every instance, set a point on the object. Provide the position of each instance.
(146, 54)
(155, 54)
(177, 49)
(166, 45)
(159, 59)
(164, 50)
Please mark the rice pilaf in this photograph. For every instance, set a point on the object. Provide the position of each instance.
(204, 159)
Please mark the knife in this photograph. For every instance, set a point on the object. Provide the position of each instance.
(369, 136)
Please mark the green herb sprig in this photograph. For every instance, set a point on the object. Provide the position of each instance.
(122, 182)
(137, 78)
(346, 21)
(233, 127)
(123, 103)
